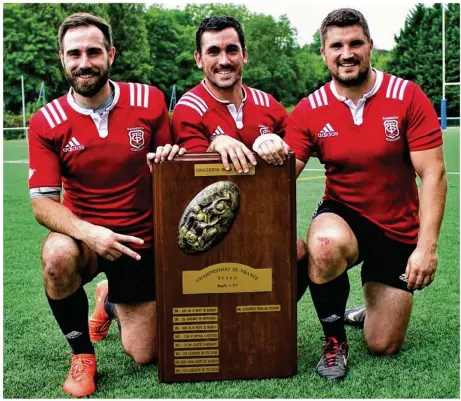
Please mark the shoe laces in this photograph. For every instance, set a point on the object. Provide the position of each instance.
(79, 369)
(331, 350)
(103, 326)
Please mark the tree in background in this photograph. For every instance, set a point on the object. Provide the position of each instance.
(197, 12)
(163, 40)
(132, 59)
(418, 52)
(155, 45)
(271, 57)
(30, 48)
(452, 58)
(380, 59)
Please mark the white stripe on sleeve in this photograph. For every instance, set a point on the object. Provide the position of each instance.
(260, 97)
(48, 118)
(254, 96)
(193, 106)
(138, 94)
(317, 97)
(311, 100)
(146, 96)
(53, 112)
(324, 95)
(61, 111)
(389, 86)
(266, 98)
(200, 100)
(193, 100)
(396, 88)
(402, 89)
(131, 94)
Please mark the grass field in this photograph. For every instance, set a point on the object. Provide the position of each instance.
(35, 362)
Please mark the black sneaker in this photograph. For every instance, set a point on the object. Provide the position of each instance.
(355, 316)
(333, 363)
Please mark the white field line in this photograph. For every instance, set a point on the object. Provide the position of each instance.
(306, 169)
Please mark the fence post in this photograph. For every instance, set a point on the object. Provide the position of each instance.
(443, 114)
(23, 107)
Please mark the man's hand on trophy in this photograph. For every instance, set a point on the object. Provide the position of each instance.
(271, 148)
(236, 151)
(162, 153)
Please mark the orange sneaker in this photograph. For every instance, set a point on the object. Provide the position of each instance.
(99, 322)
(80, 381)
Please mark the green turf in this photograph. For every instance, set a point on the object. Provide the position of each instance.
(34, 352)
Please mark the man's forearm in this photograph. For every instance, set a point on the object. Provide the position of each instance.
(432, 206)
(299, 167)
(56, 217)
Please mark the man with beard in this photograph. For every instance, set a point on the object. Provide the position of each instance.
(221, 114)
(373, 131)
(93, 143)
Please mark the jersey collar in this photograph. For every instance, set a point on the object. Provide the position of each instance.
(224, 101)
(83, 110)
(376, 86)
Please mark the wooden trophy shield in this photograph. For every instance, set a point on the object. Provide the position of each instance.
(225, 265)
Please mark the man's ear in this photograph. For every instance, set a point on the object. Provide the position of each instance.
(111, 54)
(198, 59)
(322, 52)
(61, 57)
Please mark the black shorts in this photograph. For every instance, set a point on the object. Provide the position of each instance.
(130, 281)
(384, 259)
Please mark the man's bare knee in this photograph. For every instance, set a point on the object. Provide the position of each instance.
(326, 256)
(383, 347)
(138, 329)
(60, 270)
(141, 356)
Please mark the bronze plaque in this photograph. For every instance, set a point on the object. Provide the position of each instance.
(226, 283)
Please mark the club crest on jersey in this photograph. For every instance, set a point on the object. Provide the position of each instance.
(136, 136)
(263, 130)
(391, 128)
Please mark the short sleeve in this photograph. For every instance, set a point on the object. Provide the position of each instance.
(161, 131)
(423, 128)
(188, 130)
(297, 131)
(281, 119)
(44, 160)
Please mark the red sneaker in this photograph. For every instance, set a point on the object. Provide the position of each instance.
(99, 322)
(80, 381)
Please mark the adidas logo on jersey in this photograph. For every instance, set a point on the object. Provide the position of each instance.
(327, 131)
(73, 145)
(218, 131)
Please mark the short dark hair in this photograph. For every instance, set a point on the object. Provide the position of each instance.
(343, 17)
(84, 19)
(218, 23)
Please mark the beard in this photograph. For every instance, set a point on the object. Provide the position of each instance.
(92, 87)
(352, 81)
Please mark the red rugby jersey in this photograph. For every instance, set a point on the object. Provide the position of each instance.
(365, 148)
(199, 117)
(100, 161)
